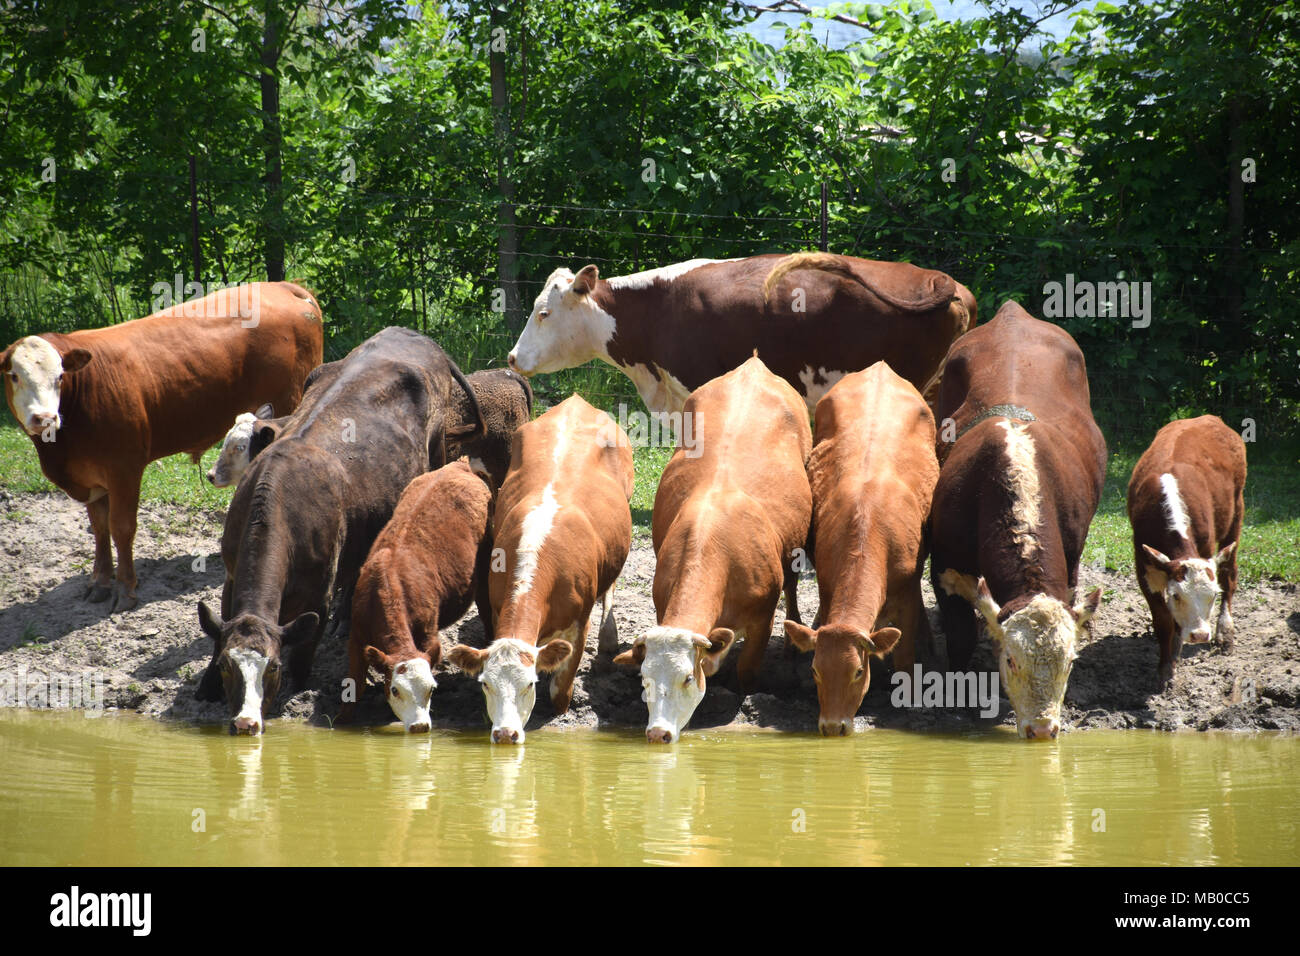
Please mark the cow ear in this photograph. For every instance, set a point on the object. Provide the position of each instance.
(720, 641)
(988, 608)
(433, 653)
(801, 636)
(376, 658)
(585, 280)
(553, 654)
(265, 411)
(469, 659)
(1084, 611)
(210, 623)
(881, 642)
(633, 658)
(1225, 553)
(75, 360)
(1162, 560)
(6, 357)
(262, 436)
(299, 629)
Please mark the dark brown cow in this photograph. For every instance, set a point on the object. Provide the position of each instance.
(420, 576)
(1016, 494)
(563, 526)
(506, 400)
(100, 404)
(304, 516)
(873, 473)
(730, 515)
(1186, 502)
(813, 317)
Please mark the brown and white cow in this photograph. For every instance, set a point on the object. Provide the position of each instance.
(730, 517)
(100, 404)
(563, 527)
(813, 317)
(420, 575)
(1016, 493)
(1186, 502)
(873, 472)
(302, 521)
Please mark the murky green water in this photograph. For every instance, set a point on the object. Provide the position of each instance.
(125, 791)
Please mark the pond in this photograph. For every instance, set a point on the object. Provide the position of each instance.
(126, 790)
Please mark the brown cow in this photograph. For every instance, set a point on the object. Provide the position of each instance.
(100, 404)
(506, 400)
(563, 525)
(1186, 502)
(1016, 493)
(730, 516)
(813, 317)
(873, 473)
(420, 575)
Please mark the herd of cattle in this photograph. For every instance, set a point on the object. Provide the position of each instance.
(395, 490)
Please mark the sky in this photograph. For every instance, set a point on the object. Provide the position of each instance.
(841, 33)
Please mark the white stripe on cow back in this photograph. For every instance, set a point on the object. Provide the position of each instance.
(537, 525)
(1175, 508)
(1022, 481)
(643, 280)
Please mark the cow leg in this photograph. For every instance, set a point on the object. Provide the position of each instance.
(483, 592)
(791, 587)
(301, 657)
(915, 628)
(959, 627)
(562, 679)
(101, 581)
(757, 632)
(607, 637)
(1171, 646)
(1225, 630)
(123, 502)
(357, 669)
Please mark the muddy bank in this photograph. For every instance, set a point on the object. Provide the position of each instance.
(150, 659)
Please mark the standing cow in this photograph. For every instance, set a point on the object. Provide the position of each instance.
(421, 574)
(100, 404)
(873, 472)
(813, 317)
(1017, 490)
(1186, 502)
(304, 517)
(730, 517)
(563, 525)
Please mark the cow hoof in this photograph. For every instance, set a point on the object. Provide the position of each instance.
(98, 593)
(125, 602)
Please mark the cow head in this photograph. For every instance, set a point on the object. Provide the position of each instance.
(507, 672)
(1036, 648)
(675, 665)
(566, 328)
(1189, 587)
(249, 661)
(33, 373)
(842, 668)
(408, 683)
(232, 460)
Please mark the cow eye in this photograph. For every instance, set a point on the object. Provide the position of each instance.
(544, 313)
(396, 691)
(690, 679)
(858, 674)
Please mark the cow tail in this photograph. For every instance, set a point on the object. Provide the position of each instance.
(480, 427)
(524, 384)
(945, 292)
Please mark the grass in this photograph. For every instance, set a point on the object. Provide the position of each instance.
(1269, 550)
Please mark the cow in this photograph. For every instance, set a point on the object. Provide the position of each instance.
(731, 516)
(1019, 483)
(873, 471)
(813, 317)
(304, 515)
(506, 400)
(1186, 503)
(564, 527)
(101, 404)
(420, 575)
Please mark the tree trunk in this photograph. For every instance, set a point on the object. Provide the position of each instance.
(507, 234)
(273, 211)
(1235, 285)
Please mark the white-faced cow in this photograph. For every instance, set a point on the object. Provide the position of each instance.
(813, 317)
(730, 519)
(1016, 493)
(1186, 502)
(873, 472)
(303, 518)
(420, 575)
(100, 404)
(563, 525)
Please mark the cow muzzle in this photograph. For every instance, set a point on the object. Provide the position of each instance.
(1042, 730)
(1199, 637)
(659, 735)
(835, 728)
(507, 735)
(39, 422)
(249, 726)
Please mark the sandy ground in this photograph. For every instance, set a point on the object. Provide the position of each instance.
(149, 659)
